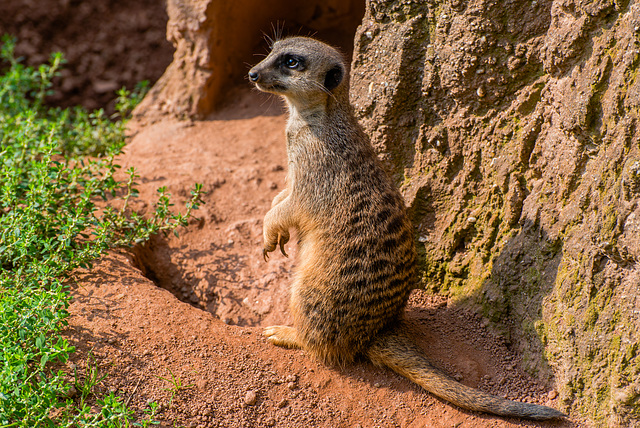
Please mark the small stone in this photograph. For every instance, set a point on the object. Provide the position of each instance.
(291, 385)
(377, 385)
(368, 35)
(480, 71)
(471, 220)
(552, 394)
(273, 185)
(514, 62)
(481, 92)
(250, 398)
(72, 392)
(104, 86)
(283, 403)
(291, 378)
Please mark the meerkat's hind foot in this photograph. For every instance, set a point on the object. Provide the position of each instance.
(281, 335)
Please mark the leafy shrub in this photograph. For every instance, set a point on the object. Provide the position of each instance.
(56, 166)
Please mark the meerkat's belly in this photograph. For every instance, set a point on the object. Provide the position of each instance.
(348, 288)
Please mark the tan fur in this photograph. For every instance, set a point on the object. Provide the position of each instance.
(357, 254)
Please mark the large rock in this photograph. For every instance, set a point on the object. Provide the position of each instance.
(512, 128)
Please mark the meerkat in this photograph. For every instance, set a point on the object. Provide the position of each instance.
(357, 257)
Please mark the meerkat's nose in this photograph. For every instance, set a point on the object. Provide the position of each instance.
(253, 76)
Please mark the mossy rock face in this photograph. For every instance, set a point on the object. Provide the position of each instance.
(512, 129)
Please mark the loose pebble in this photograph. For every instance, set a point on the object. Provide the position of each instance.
(283, 403)
(250, 398)
(291, 378)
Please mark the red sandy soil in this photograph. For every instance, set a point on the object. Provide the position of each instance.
(107, 44)
(125, 310)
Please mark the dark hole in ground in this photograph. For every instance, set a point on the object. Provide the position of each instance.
(154, 261)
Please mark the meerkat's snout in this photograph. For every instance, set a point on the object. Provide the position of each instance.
(254, 76)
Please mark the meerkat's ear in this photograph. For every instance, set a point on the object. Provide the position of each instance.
(333, 77)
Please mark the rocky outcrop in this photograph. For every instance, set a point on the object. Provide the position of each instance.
(512, 128)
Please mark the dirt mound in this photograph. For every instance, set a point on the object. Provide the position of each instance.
(217, 263)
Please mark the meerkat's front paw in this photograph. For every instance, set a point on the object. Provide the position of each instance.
(281, 335)
(280, 241)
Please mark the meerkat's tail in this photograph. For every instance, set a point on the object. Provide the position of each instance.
(397, 351)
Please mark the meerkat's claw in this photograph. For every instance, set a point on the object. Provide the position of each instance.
(282, 248)
(271, 246)
(283, 238)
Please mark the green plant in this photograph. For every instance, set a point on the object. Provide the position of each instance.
(91, 378)
(176, 385)
(151, 413)
(58, 193)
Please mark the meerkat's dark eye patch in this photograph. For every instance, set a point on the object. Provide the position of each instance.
(333, 78)
(292, 62)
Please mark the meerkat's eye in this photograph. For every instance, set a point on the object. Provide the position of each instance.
(291, 62)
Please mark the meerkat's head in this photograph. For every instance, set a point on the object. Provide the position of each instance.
(301, 69)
